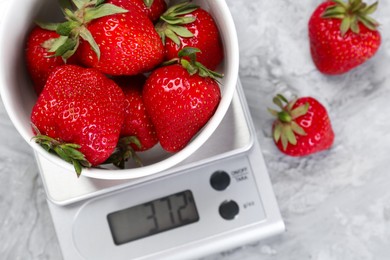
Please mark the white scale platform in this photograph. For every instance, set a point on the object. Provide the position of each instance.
(219, 198)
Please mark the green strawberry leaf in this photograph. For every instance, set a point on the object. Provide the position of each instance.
(297, 128)
(124, 152)
(277, 101)
(277, 132)
(53, 44)
(284, 140)
(188, 52)
(77, 167)
(189, 66)
(193, 66)
(67, 54)
(282, 98)
(178, 20)
(80, 3)
(172, 19)
(180, 30)
(148, 3)
(102, 10)
(290, 104)
(162, 36)
(370, 9)
(99, 2)
(300, 111)
(69, 44)
(369, 22)
(205, 72)
(181, 9)
(87, 36)
(288, 132)
(70, 15)
(351, 13)
(48, 26)
(66, 28)
(273, 112)
(67, 152)
(354, 25)
(345, 25)
(171, 35)
(340, 2)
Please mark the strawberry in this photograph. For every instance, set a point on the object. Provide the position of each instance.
(79, 115)
(152, 8)
(180, 99)
(39, 60)
(302, 127)
(342, 35)
(114, 40)
(186, 24)
(138, 132)
(137, 122)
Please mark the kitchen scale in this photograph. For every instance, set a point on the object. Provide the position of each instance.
(219, 198)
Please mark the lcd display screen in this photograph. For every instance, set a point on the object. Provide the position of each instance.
(153, 217)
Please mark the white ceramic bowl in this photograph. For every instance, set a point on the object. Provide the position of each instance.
(18, 95)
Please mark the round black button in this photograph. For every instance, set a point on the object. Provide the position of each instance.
(229, 209)
(220, 180)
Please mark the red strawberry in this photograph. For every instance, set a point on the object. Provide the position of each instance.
(137, 133)
(180, 99)
(188, 25)
(39, 60)
(152, 8)
(342, 35)
(128, 43)
(137, 122)
(302, 126)
(113, 40)
(79, 111)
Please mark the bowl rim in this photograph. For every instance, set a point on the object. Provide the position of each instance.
(231, 49)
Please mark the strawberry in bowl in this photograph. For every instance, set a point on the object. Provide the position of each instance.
(67, 121)
(108, 42)
(180, 99)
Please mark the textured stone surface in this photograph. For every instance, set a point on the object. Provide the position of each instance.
(336, 204)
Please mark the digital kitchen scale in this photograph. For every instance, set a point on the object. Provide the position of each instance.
(219, 198)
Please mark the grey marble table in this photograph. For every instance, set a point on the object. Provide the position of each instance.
(336, 204)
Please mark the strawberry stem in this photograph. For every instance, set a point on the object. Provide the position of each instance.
(193, 66)
(285, 128)
(124, 152)
(67, 151)
(171, 21)
(284, 116)
(351, 14)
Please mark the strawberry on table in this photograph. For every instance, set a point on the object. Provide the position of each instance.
(188, 25)
(302, 126)
(40, 61)
(152, 8)
(180, 99)
(343, 35)
(114, 40)
(79, 115)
